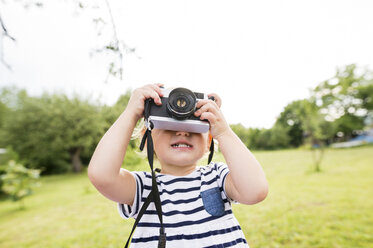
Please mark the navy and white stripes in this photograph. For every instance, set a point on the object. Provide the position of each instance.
(186, 219)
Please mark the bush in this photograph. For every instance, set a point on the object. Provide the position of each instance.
(18, 181)
(5, 156)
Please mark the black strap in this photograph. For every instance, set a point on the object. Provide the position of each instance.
(211, 151)
(141, 212)
(212, 140)
(154, 193)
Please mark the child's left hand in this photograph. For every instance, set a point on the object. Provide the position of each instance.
(210, 110)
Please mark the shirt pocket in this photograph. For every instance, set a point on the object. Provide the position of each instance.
(213, 202)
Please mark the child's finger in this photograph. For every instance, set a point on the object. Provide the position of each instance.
(156, 98)
(208, 116)
(149, 92)
(217, 98)
(157, 88)
(201, 103)
(208, 107)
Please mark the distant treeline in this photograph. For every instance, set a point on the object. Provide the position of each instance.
(57, 134)
(337, 110)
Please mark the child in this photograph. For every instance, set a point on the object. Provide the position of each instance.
(196, 201)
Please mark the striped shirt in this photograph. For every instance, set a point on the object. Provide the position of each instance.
(196, 210)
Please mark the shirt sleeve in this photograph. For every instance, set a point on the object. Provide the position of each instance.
(222, 172)
(128, 211)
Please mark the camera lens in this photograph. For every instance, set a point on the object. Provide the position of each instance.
(181, 103)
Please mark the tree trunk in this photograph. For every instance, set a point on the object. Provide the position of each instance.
(75, 160)
(318, 155)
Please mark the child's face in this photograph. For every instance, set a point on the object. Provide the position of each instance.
(179, 148)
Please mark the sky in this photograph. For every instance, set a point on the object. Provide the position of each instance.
(257, 55)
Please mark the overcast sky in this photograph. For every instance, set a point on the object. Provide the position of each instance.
(257, 55)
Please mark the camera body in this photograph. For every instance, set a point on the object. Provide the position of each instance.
(177, 111)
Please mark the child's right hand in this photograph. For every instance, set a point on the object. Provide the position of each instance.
(137, 101)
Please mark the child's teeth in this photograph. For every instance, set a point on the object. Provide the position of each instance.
(181, 145)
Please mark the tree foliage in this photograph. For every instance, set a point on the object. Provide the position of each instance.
(346, 99)
(262, 139)
(291, 120)
(51, 131)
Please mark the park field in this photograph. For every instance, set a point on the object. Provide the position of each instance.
(331, 208)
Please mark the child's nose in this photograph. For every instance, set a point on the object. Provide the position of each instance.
(182, 133)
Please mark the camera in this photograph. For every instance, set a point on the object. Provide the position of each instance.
(177, 111)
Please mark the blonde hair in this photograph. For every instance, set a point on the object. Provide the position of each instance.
(139, 130)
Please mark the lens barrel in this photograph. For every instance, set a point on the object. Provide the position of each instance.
(181, 103)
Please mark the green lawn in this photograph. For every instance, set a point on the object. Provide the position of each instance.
(333, 208)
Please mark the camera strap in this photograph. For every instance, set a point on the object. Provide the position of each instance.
(154, 194)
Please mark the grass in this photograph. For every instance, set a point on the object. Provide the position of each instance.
(333, 208)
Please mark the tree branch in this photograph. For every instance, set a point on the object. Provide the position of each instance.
(5, 31)
(4, 34)
(116, 40)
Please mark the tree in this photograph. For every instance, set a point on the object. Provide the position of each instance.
(346, 98)
(291, 121)
(52, 131)
(304, 123)
(3, 111)
(254, 138)
(242, 133)
(279, 138)
(316, 130)
(365, 93)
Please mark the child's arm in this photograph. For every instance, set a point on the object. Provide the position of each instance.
(104, 169)
(246, 182)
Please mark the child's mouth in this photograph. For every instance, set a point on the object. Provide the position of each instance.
(181, 145)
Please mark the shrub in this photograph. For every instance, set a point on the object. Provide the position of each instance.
(18, 181)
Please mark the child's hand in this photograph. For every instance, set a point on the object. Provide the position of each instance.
(210, 110)
(139, 95)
